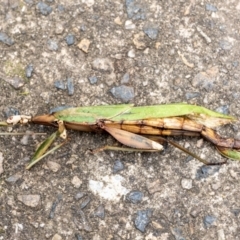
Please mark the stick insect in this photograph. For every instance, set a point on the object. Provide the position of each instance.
(138, 128)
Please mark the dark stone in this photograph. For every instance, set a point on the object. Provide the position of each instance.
(151, 32)
(191, 95)
(54, 206)
(135, 197)
(123, 92)
(209, 220)
(29, 70)
(100, 212)
(118, 166)
(143, 219)
(85, 202)
(44, 9)
(60, 84)
(93, 79)
(206, 171)
(70, 39)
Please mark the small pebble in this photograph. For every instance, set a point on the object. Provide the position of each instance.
(86, 201)
(191, 95)
(70, 86)
(221, 234)
(155, 186)
(199, 143)
(4, 38)
(211, 8)
(29, 70)
(140, 42)
(118, 21)
(84, 45)
(209, 220)
(54, 206)
(206, 171)
(125, 78)
(117, 166)
(103, 64)
(70, 39)
(15, 82)
(129, 25)
(83, 28)
(44, 9)
(195, 212)
(131, 53)
(14, 178)
(53, 166)
(135, 197)
(134, 10)
(31, 200)
(186, 183)
(92, 79)
(123, 92)
(216, 185)
(151, 32)
(56, 237)
(60, 84)
(142, 219)
(79, 195)
(59, 28)
(52, 45)
(76, 182)
(100, 212)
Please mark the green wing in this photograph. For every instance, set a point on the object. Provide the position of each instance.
(93, 113)
(128, 112)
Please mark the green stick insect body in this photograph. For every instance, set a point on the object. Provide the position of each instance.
(139, 128)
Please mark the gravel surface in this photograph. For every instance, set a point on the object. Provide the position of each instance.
(89, 52)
